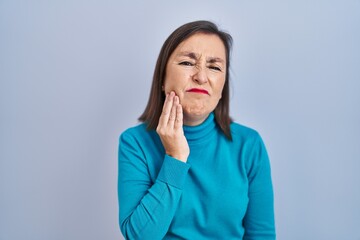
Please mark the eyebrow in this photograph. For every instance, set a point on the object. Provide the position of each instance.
(195, 56)
(189, 54)
(215, 59)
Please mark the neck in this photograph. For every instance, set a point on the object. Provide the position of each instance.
(194, 120)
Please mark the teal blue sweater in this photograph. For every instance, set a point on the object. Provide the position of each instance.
(224, 191)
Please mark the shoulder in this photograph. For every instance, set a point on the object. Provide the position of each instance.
(136, 133)
(139, 142)
(252, 147)
(243, 133)
(139, 135)
(135, 130)
(247, 138)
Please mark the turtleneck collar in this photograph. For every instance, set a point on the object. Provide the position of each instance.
(200, 132)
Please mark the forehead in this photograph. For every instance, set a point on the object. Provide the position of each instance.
(209, 45)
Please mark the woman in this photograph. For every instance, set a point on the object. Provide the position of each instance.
(188, 172)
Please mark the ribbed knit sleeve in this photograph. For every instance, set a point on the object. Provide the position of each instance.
(259, 219)
(146, 207)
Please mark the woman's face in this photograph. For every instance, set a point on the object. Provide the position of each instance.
(196, 72)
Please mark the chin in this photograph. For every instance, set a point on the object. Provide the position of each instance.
(195, 111)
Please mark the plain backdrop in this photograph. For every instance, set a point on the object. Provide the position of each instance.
(75, 74)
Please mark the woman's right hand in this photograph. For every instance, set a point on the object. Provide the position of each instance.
(170, 128)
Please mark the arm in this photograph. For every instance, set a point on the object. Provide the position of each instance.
(259, 219)
(146, 208)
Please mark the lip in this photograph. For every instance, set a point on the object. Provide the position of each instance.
(198, 90)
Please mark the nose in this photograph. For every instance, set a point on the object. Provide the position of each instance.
(200, 76)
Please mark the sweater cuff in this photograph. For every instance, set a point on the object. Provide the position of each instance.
(173, 172)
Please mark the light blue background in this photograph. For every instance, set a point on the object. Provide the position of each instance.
(75, 74)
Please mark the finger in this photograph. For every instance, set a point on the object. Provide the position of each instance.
(172, 116)
(179, 117)
(164, 117)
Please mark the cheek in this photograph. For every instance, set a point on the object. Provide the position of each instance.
(176, 81)
(219, 88)
(171, 86)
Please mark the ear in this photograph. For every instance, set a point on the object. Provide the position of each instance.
(162, 88)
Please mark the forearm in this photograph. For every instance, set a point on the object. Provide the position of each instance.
(151, 217)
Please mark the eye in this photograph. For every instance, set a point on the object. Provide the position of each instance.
(215, 68)
(186, 63)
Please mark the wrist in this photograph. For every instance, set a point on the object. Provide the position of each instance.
(180, 157)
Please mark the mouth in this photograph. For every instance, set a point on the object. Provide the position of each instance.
(198, 90)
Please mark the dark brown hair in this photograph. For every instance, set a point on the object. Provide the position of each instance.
(154, 106)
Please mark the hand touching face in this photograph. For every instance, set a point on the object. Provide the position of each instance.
(196, 72)
(170, 129)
